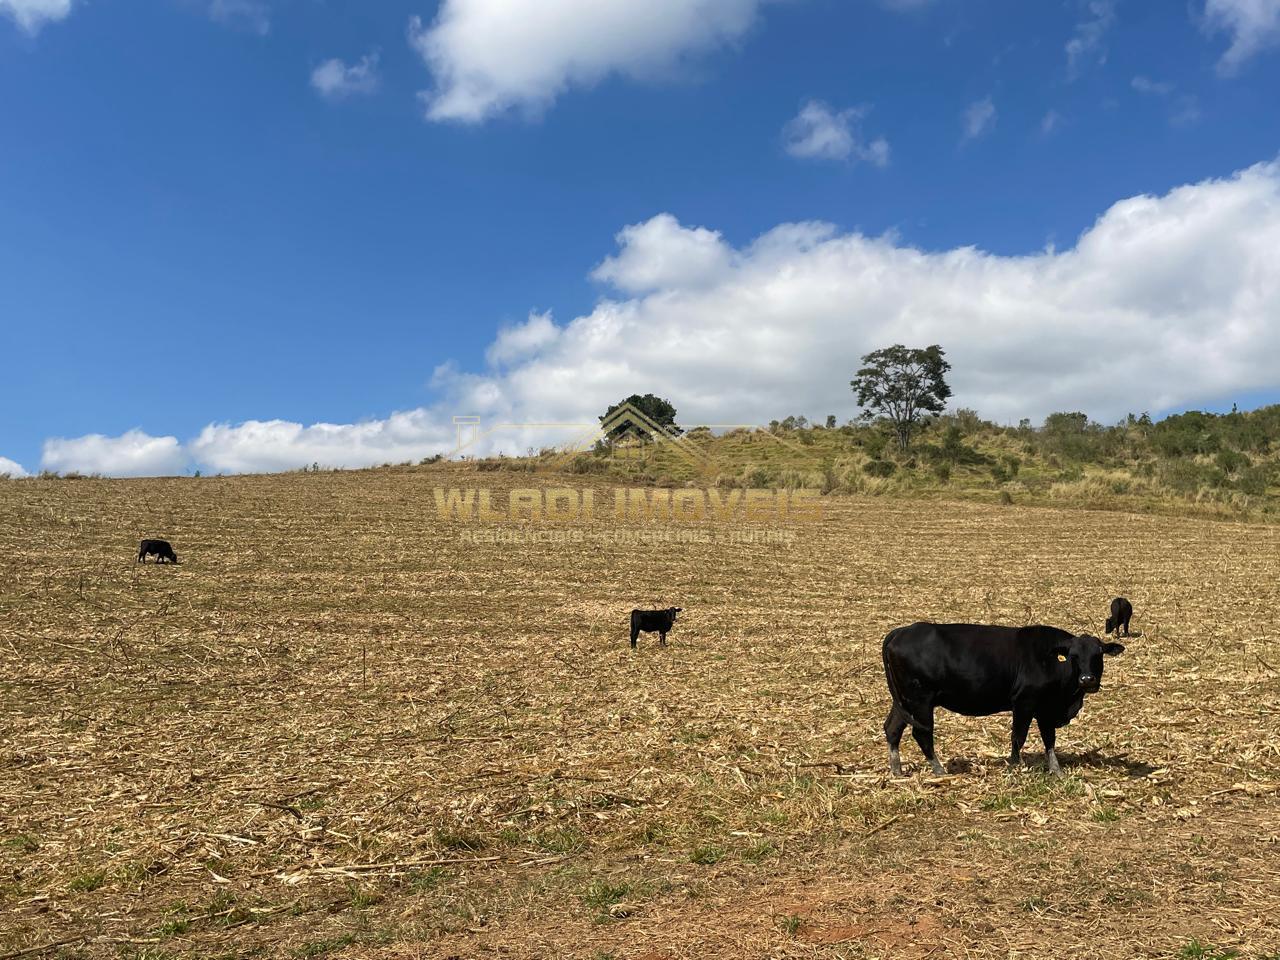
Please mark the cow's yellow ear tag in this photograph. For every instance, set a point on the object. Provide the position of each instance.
(1061, 658)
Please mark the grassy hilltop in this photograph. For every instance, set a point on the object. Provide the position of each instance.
(1198, 463)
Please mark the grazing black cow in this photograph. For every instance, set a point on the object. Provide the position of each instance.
(1039, 673)
(160, 549)
(1121, 612)
(653, 621)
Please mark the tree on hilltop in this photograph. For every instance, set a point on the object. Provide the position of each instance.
(654, 412)
(902, 385)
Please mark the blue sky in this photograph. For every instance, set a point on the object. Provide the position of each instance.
(204, 221)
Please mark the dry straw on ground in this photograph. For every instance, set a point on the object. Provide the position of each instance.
(338, 729)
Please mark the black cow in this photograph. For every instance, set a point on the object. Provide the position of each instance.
(1121, 612)
(1039, 673)
(653, 621)
(160, 549)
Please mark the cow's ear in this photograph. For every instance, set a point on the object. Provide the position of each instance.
(1112, 649)
(1061, 649)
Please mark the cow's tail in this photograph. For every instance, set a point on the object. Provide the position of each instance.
(894, 689)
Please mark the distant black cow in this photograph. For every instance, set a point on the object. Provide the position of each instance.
(653, 621)
(1121, 612)
(160, 549)
(1039, 673)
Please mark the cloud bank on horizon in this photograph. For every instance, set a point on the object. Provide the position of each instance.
(11, 468)
(1165, 301)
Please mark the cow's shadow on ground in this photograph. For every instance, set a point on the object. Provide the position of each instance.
(1090, 759)
(1100, 761)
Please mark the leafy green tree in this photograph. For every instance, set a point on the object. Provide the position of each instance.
(656, 410)
(1072, 435)
(902, 385)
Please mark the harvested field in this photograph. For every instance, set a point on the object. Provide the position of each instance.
(340, 729)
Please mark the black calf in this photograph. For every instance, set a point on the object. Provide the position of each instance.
(160, 549)
(1121, 611)
(653, 621)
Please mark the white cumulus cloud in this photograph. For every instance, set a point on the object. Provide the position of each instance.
(132, 454)
(335, 80)
(517, 342)
(821, 133)
(31, 15)
(1253, 25)
(489, 56)
(11, 468)
(660, 253)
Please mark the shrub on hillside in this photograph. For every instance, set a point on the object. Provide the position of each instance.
(1230, 461)
(1255, 480)
(880, 468)
(587, 463)
(874, 443)
(1185, 476)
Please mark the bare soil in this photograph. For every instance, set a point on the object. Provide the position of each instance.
(341, 728)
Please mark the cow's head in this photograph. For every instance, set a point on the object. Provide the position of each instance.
(1082, 656)
(673, 611)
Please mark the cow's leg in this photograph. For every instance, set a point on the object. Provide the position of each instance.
(924, 737)
(635, 632)
(1021, 725)
(662, 638)
(1050, 736)
(894, 725)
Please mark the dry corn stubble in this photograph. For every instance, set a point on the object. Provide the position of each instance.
(340, 729)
